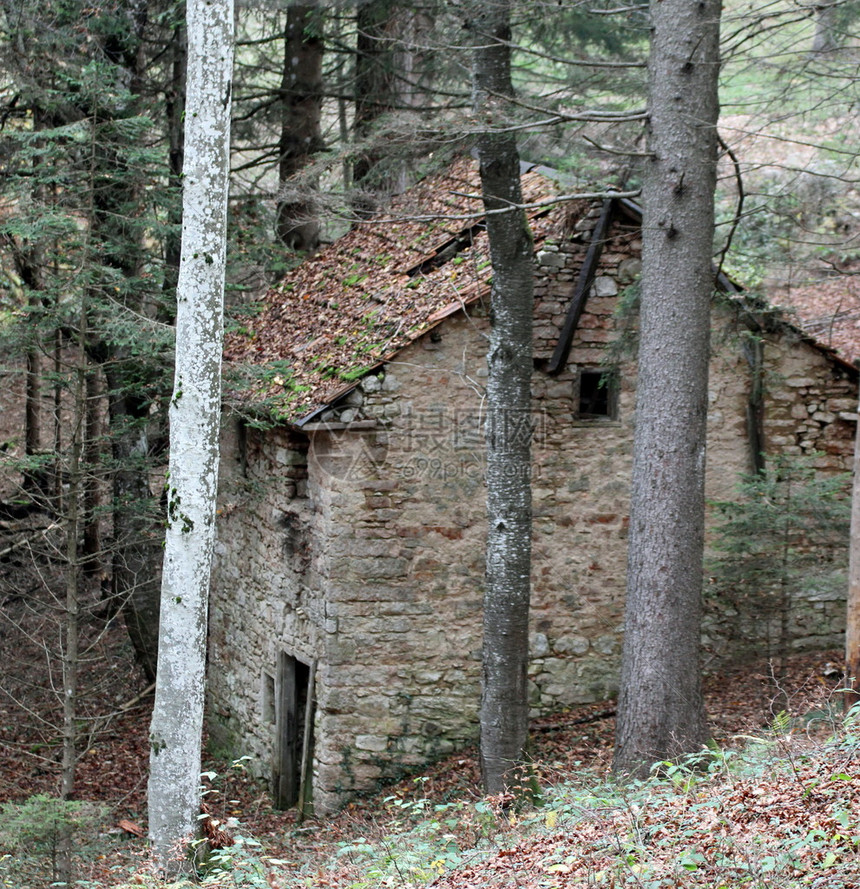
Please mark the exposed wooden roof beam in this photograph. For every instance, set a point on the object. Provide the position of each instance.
(583, 286)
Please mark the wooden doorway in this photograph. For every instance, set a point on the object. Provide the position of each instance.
(294, 713)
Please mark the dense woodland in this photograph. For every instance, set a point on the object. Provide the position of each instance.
(734, 129)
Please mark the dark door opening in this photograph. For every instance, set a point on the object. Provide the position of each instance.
(293, 740)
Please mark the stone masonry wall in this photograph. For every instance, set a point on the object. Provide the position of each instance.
(387, 597)
(810, 409)
(266, 583)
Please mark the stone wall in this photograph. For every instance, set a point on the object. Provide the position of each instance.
(266, 582)
(809, 410)
(359, 544)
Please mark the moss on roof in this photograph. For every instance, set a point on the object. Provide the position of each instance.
(359, 301)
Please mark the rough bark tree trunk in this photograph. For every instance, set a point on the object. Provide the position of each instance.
(91, 548)
(136, 544)
(70, 632)
(33, 394)
(825, 40)
(177, 720)
(134, 554)
(660, 709)
(301, 134)
(174, 108)
(393, 74)
(28, 267)
(374, 66)
(504, 701)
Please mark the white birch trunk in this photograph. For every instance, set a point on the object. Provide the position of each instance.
(177, 720)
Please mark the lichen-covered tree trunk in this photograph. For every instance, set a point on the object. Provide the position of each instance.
(504, 701)
(660, 710)
(177, 720)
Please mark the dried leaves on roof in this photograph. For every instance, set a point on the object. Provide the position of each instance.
(378, 288)
(829, 310)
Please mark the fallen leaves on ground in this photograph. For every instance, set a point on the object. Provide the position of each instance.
(674, 836)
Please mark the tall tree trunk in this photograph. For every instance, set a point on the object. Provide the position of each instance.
(852, 630)
(177, 719)
(174, 107)
(504, 700)
(28, 264)
(374, 71)
(33, 394)
(91, 550)
(413, 56)
(393, 73)
(825, 39)
(57, 419)
(134, 559)
(72, 573)
(660, 709)
(301, 136)
(136, 544)
(28, 267)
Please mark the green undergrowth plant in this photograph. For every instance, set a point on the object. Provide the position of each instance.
(782, 541)
(32, 834)
(771, 811)
(422, 840)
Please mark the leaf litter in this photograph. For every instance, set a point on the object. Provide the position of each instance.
(782, 813)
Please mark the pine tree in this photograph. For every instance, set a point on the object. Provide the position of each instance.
(660, 708)
(786, 534)
(83, 171)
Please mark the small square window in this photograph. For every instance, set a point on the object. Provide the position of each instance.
(598, 389)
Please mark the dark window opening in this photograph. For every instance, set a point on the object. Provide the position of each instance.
(293, 739)
(268, 703)
(597, 394)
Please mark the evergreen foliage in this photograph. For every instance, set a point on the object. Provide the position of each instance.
(87, 214)
(787, 535)
(33, 831)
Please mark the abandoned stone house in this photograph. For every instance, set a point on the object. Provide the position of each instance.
(345, 611)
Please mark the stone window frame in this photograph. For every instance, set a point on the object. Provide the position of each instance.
(609, 405)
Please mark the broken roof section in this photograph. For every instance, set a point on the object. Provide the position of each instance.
(356, 303)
